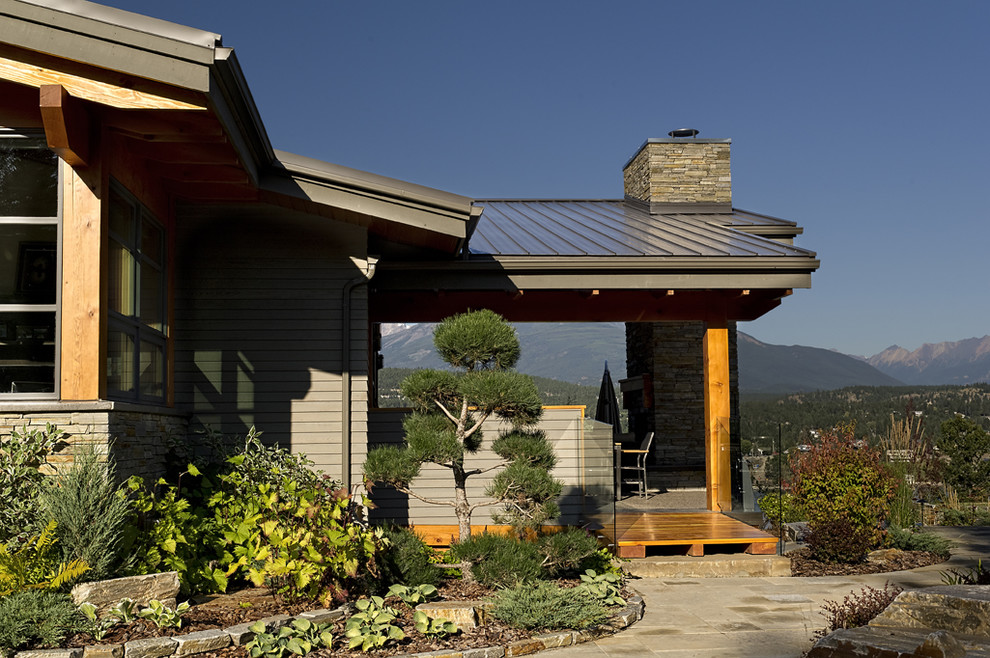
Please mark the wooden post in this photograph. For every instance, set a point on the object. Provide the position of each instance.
(83, 350)
(718, 467)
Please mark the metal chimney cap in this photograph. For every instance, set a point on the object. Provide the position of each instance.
(683, 132)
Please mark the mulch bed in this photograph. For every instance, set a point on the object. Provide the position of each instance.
(229, 610)
(802, 564)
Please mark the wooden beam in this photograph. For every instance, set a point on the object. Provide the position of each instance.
(152, 126)
(83, 349)
(718, 467)
(94, 84)
(67, 125)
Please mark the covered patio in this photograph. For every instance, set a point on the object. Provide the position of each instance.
(672, 255)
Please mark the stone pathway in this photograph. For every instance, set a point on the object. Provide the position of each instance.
(754, 617)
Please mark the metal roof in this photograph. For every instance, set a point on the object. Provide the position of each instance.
(621, 228)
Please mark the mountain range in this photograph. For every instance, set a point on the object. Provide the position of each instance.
(577, 353)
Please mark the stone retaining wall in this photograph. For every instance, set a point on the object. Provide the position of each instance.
(137, 437)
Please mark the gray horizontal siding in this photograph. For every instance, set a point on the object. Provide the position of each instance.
(258, 330)
(564, 427)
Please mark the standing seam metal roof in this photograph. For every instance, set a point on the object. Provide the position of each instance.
(617, 228)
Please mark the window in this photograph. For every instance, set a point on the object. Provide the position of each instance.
(29, 259)
(137, 298)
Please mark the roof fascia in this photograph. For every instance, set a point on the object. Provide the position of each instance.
(369, 194)
(111, 38)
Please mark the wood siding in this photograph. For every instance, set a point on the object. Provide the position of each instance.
(565, 427)
(258, 329)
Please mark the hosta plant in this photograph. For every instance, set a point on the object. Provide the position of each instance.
(433, 627)
(371, 626)
(96, 626)
(413, 596)
(605, 587)
(299, 638)
(163, 616)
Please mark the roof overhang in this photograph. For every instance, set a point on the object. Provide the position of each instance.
(179, 101)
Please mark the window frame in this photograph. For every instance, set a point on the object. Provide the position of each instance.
(36, 139)
(134, 326)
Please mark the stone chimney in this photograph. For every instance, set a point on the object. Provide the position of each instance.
(680, 174)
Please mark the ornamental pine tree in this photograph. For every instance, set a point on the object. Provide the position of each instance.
(445, 425)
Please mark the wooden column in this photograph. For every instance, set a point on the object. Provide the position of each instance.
(718, 467)
(83, 351)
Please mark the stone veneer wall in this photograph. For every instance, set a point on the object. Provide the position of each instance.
(137, 437)
(680, 171)
(672, 353)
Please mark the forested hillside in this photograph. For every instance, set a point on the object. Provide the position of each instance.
(869, 406)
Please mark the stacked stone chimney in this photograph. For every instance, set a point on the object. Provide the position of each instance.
(664, 360)
(681, 175)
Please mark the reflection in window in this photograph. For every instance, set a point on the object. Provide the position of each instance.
(136, 280)
(28, 266)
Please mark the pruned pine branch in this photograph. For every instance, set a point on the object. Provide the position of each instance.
(410, 492)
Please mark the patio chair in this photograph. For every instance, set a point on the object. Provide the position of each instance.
(638, 464)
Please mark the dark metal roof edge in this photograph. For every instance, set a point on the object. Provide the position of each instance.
(808, 263)
(116, 26)
(319, 170)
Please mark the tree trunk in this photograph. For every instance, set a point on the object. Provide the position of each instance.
(463, 511)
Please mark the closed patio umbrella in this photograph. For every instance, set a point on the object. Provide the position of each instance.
(607, 409)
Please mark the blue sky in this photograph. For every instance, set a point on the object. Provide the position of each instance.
(865, 122)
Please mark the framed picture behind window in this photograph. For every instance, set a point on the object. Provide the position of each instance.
(36, 271)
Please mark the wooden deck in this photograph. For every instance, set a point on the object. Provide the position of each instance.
(692, 530)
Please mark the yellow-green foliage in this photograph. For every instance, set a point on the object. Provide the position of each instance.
(36, 565)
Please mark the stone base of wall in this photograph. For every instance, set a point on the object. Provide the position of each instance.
(135, 436)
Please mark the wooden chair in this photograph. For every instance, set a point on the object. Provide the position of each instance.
(638, 464)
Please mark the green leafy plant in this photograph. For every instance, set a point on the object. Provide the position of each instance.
(433, 627)
(299, 637)
(163, 616)
(546, 605)
(845, 492)
(445, 426)
(975, 576)
(95, 625)
(965, 443)
(604, 587)
(22, 454)
(413, 596)
(174, 535)
(780, 508)
(91, 513)
(33, 618)
(306, 544)
(371, 626)
(37, 565)
(857, 609)
(125, 611)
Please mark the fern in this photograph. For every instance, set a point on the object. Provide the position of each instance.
(36, 565)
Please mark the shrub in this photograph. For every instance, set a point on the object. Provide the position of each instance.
(961, 517)
(90, 513)
(564, 552)
(857, 609)
(837, 539)
(975, 576)
(965, 443)
(169, 533)
(780, 508)
(34, 618)
(845, 492)
(408, 560)
(21, 455)
(546, 605)
(499, 561)
(912, 540)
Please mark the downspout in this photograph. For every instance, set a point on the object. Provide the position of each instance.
(345, 369)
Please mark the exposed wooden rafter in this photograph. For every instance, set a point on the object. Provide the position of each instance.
(67, 125)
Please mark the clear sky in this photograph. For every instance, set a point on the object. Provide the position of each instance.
(868, 123)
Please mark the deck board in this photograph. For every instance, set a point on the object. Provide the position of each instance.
(694, 530)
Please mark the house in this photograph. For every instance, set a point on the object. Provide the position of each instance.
(163, 269)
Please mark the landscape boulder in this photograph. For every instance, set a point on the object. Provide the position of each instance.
(105, 594)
